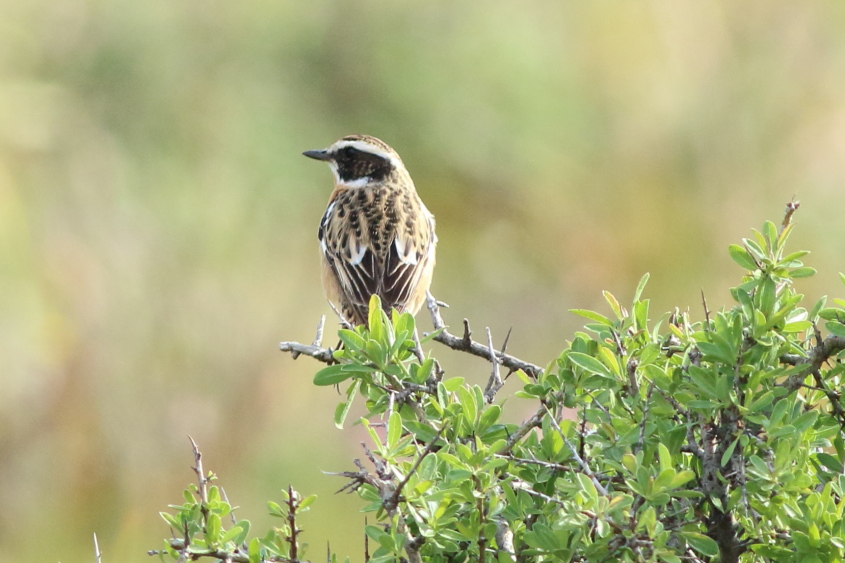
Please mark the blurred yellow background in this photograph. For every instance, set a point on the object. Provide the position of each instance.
(158, 223)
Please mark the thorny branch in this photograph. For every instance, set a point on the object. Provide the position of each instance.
(819, 354)
(196, 553)
(189, 551)
(463, 343)
(467, 344)
(585, 468)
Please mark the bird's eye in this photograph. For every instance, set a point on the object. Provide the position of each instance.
(348, 152)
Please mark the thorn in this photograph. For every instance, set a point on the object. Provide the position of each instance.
(505, 343)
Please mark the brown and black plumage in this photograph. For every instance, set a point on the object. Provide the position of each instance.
(376, 236)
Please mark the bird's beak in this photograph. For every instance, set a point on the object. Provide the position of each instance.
(318, 155)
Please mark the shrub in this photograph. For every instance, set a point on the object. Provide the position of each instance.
(718, 439)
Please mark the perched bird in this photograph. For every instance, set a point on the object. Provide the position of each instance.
(376, 236)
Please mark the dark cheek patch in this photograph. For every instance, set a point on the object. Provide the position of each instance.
(361, 165)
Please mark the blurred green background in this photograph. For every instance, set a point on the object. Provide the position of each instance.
(158, 223)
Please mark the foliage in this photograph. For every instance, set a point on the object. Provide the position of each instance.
(675, 440)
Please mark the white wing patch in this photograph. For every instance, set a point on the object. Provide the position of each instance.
(356, 251)
(406, 255)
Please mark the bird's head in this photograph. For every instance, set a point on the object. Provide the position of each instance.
(359, 160)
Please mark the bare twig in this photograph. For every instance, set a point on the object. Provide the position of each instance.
(504, 538)
(98, 555)
(641, 443)
(202, 481)
(320, 354)
(495, 382)
(526, 427)
(318, 339)
(466, 344)
(394, 500)
(293, 542)
(226, 500)
(818, 355)
(585, 468)
(343, 322)
(366, 542)
(791, 208)
(220, 554)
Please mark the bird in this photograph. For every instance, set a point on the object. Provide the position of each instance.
(376, 235)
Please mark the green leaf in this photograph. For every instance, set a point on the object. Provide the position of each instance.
(255, 551)
(771, 234)
(641, 314)
(797, 326)
(609, 360)
(665, 457)
(171, 520)
(589, 363)
(761, 402)
(765, 296)
(468, 404)
(754, 248)
(212, 528)
(592, 315)
(306, 502)
(641, 286)
(829, 462)
(701, 543)
(371, 431)
(489, 417)
(680, 478)
(342, 410)
(403, 322)
(423, 432)
(794, 256)
(805, 421)
(333, 375)
(742, 257)
(376, 319)
(835, 328)
(423, 371)
(647, 519)
(587, 486)
(804, 272)
(614, 304)
(394, 430)
(351, 339)
(729, 452)
(236, 533)
(658, 376)
(814, 312)
(452, 383)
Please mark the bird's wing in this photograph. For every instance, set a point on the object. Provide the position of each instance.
(376, 243)
(408, 254)
(346, 234)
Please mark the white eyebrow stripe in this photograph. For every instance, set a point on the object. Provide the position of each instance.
(364, 146)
